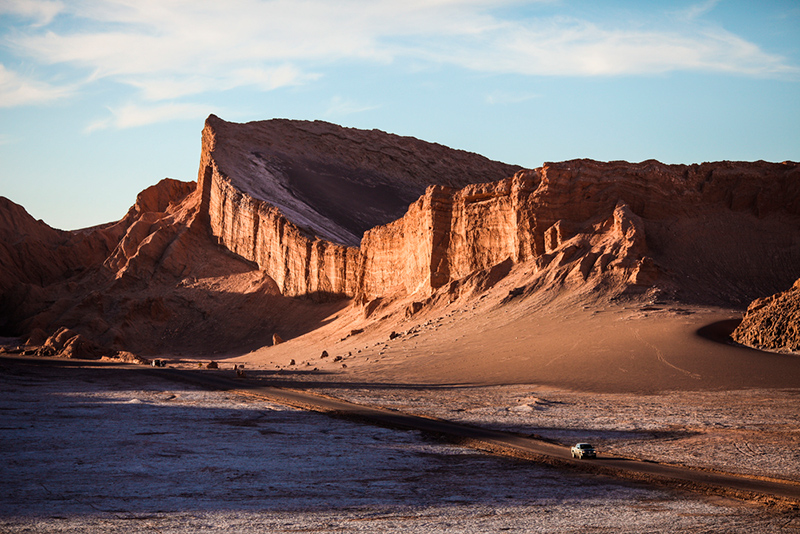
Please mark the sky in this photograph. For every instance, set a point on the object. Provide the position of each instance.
(100, 99)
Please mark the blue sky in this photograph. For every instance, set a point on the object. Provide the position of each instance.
(102, 98)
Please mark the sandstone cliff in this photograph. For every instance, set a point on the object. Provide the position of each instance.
(157, 283)
(772, 323)
(295, 197)
(287, 209)
(591, 223)
(296, 213)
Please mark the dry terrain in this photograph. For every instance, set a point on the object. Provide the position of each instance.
(105, 450)
(580, 300)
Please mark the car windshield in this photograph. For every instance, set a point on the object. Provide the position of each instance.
(584, 446)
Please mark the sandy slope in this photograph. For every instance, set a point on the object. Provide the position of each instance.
(640, 345)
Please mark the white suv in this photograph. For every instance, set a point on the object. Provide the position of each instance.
(583, 450)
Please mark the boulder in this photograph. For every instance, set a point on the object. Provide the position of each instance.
(773, 322)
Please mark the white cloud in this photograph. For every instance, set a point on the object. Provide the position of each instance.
(133, 115)
(170, 49)
(698, 10)
(41, 11)
(579, 48)
(176, 85)
(342, 106)
(18, 90)
(509, 97)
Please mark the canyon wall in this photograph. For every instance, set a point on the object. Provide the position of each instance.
(310, 209)
(583, 218)
(299, 262)
(261, 184)
(575, 220)
(446, 235)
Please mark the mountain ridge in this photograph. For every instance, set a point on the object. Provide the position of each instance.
(245, 247)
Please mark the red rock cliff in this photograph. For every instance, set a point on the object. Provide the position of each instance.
(295, 198)
(264, 189)
(586, 220)
(292, 195)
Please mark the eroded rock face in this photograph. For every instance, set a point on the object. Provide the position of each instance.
(31, 252)
(280, 208)
(295, 196)
(269, 190)
(772, 323)
(586, 222)
(155, 281)
(334, 182)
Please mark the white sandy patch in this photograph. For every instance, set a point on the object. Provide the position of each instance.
(80, 456)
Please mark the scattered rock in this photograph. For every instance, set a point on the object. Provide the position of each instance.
(212, 365)
(324, 354)
(412, 309)
(37, 337)
(772, 323)
(67, 343)
(276, 339)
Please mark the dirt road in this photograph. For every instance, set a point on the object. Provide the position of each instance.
(781, 492)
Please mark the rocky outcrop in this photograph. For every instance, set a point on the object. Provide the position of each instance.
(772, 323)
(158, 282)
(31, 252)
(585, 221)
(286, 209)
(294, 197)
(69, 344)
(291, 196)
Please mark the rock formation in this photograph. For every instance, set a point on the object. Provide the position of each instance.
(295, 197)
(151, 283)
(773, 322)
(576, 220)
(583, 219)
(287, 209)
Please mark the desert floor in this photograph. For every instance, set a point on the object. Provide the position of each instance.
(107, 450)
(647, 380)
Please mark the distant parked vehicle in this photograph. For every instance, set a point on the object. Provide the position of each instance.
(158, 363)
(583, 450)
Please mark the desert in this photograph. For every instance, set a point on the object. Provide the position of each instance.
(650, 309)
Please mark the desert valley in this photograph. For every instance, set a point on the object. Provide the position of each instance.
(651, 309)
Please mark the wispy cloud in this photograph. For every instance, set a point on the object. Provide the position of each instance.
(696, 11)
(342, 106)
(41, 12)
(169, 50)
(133, 115)
(571, 47)
(19, 90)
(508, 97)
